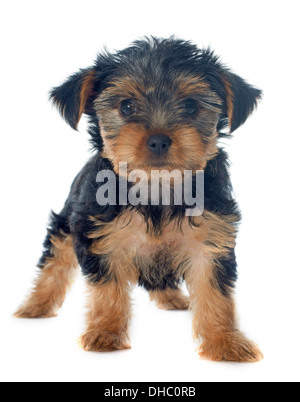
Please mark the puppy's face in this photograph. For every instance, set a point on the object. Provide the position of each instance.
(160, 104)
(151, 121)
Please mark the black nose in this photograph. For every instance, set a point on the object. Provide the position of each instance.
(159, 143)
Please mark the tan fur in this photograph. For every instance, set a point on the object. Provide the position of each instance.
(214, 317)
(135, 250)
(109, 303)
(119, 242)
(135, 88)
(170, 299)
(52, 282)
(194, 247)
(127, 142)
(214, 314)
(86, 90)
(187, 85)
(190, 248)
(188, 151)
(129, 236)
(107, 318)
(229, 99)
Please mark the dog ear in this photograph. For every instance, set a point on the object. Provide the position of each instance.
(241, 99)
(75, 96)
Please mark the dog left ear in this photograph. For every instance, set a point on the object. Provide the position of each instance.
(75, 96)
(241, 99)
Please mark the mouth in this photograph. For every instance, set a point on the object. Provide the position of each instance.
(158, 164)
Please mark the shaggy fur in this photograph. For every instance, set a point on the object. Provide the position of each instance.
(163, 93)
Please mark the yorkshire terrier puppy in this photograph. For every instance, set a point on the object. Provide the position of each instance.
(160, 104)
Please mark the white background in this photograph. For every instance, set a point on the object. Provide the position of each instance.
(42, 42)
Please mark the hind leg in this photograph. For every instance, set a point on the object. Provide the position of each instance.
(58, 267)
(170, 299)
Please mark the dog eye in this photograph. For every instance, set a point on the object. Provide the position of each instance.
(128, 107)
(190, 106)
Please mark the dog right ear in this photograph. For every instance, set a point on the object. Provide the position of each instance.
(75, 96)
(241, 99)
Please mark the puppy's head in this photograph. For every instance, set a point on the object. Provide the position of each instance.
(160, 104)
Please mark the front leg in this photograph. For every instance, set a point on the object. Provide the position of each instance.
(109, 273)
(214, 311)
(109, 312)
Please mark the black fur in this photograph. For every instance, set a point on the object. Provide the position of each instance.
(152, 58)
(226, 273)
(81, 205)
(163, 58)
(58, 228)
(66, 97)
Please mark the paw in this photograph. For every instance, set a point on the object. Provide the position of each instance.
(233, 347)
(178, 303)
(35, 311)
(170, 299)
(96, 341)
